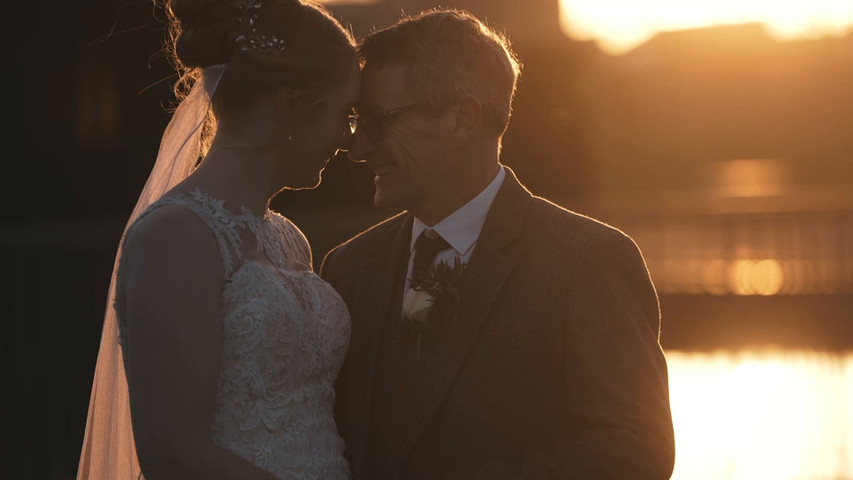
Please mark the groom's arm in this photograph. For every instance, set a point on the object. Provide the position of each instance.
(325, 265)
(329, 272)
(616, 378)
(615, 373)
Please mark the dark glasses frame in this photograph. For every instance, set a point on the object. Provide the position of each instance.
(372, 124)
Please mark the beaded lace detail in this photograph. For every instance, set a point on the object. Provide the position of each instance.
(286, 333)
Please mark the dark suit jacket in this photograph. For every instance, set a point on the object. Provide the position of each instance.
(553, 368)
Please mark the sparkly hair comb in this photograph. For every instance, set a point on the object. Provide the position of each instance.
(252, 39)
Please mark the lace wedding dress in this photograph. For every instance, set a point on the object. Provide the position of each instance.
(285, 335)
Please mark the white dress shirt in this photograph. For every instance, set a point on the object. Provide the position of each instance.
(460, 229)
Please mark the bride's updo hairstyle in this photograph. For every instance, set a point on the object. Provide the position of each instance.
(264, 44)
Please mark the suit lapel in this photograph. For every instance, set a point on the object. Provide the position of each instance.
(378, 291)
(487, 270)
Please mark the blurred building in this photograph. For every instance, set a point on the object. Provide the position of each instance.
(728, 156)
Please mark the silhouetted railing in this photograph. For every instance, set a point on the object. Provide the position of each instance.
(800, 253)
(55, 279)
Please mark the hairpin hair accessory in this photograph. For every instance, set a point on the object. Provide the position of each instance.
(254, 40)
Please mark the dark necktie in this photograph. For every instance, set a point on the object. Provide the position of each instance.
(426, 248)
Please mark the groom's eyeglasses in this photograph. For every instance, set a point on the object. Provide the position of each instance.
(351, 126)
(373, 123)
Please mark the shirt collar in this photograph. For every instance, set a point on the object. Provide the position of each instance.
(462, 227)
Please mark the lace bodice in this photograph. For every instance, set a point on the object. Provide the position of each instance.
(286, 333)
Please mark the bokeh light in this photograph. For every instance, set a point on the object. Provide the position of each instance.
(756, 277)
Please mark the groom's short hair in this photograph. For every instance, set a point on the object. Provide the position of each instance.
(448, 53)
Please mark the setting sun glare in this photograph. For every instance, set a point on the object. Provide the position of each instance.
(620, 25)
(768, 415)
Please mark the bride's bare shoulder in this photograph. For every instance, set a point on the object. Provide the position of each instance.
(170, 237)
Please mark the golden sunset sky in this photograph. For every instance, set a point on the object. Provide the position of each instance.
(620, 25)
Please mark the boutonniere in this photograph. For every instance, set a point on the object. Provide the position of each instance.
(432, 300)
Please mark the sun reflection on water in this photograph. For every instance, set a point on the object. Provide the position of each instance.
(765, 415)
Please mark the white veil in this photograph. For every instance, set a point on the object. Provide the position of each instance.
(108, 449)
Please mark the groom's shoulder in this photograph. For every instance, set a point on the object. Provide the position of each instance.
(547, 213)
(545, 218)
(552, 223)
(374, 236)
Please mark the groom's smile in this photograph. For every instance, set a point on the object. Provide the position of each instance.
(400, 140)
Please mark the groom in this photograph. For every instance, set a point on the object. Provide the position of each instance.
(537, 357)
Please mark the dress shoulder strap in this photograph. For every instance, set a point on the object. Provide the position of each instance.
(286, 245)
(222, 223)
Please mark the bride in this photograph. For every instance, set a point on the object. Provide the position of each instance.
(220, 345)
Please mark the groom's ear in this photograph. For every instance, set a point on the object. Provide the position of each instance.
(468, 114)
